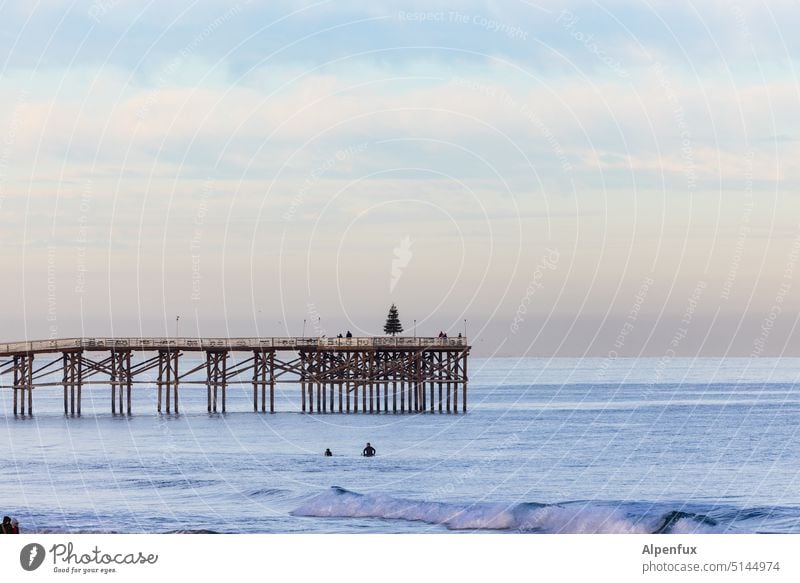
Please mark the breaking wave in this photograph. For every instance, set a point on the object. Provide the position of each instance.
(569, 517)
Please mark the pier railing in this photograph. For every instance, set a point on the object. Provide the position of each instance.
(287, 343)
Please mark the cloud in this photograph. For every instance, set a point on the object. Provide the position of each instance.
(630, 135)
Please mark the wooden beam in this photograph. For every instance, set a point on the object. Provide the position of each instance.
(272, 381)
(464, 399)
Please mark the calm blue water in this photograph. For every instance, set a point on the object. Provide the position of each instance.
(563, 445)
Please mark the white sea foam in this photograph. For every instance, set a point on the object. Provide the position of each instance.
(575, 517)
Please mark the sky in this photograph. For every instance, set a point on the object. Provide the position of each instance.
(601, 179)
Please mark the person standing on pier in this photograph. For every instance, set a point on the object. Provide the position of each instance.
(369, 451)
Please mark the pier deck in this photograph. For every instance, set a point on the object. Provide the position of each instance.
(380, 374)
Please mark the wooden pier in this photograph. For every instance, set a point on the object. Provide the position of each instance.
(334, 375)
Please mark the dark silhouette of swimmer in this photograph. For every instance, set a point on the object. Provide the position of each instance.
(369, 451)
(328, 452)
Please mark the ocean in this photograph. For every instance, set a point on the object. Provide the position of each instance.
(563, 445)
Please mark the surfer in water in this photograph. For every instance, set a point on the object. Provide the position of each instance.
(328, 452)
(369, 451)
